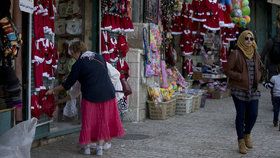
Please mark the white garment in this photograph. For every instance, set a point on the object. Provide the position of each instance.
(114, 75)
(276, 88)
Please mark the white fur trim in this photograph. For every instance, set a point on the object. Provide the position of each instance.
(211, 28)
(200, 20)
(176, 33)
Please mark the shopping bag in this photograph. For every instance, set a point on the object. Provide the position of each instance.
(17, 141)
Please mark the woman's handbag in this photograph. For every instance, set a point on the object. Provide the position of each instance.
(126, 87)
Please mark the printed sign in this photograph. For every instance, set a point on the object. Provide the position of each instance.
(26, 6)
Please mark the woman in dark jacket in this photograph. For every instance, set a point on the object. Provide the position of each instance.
(100, 116)
(243, 72)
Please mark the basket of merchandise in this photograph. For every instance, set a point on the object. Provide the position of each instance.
(161, 110)
(196, 101)
(184, 104)
(197, 94)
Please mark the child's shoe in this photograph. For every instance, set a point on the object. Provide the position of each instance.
(99, 150)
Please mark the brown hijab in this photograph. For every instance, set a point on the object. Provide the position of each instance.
(247, 50)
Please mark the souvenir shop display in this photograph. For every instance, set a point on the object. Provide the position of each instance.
(44, 57)
(115, 23)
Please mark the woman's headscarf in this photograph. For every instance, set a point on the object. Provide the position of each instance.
(247, 50)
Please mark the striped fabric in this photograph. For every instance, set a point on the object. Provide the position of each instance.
(252, 94)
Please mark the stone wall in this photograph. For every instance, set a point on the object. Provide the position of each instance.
(137, 100)
(135, 60)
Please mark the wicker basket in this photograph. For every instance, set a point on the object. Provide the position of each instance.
(161, 110)
(196, 101)
(184, 104)
(171, 107)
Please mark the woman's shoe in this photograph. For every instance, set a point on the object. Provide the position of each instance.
(248, 141)
(86, 150)
(99, 150)
(107, 146)
(242, 146)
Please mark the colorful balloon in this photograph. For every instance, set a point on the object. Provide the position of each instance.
(235, 20)
(246, 11)
(242, 22)
(247, 18)
(245, 3)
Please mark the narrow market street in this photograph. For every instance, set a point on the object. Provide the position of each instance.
(208, 132)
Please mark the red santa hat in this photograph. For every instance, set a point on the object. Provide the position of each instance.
(122, 45)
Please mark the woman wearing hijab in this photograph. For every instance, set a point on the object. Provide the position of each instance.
(100, 117)
(243, 72)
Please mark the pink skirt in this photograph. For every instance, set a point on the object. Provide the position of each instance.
(100, 121)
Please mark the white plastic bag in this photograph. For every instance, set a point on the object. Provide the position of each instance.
(16, 142)
(70, 109)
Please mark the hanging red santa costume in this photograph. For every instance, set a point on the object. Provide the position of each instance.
(212, 14)
(106, 22)
(116, 25)
(122, 45)
(176, 28)
(38, 68)
(198, 10)
(106, 45)
(126, 24)
(123, 68)
(47, 102)
(186, 43)
(35, 107)
(187, 66)
(223, 54)
(224, 14)
(114, 56)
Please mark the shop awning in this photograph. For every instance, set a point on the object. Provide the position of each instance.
(277, 2)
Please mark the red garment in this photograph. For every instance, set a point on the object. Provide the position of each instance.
(116, 23)
(106, 22)
(224, 15)
(223, 54)
(100, 121)
(122, 45)
(212, 16)
(176, 27)
(106, 45)
(198, 10)
(126, 24)
(187, 66)
(47, 102)
(35, 107)
(186, 43)
(123, 68)
(38, 76)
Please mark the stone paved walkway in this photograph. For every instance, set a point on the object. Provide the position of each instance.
(208, 133)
